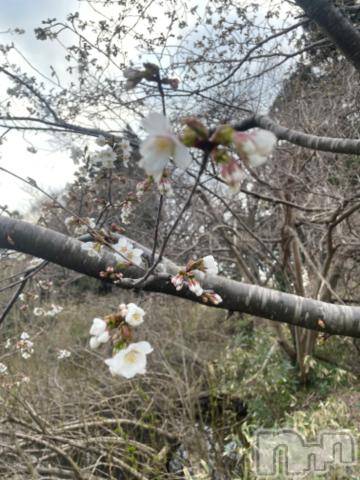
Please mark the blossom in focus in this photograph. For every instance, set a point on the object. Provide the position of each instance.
(128, 252)
(232, 173)
(160, 145)
(130, 361)
(178, 280)
(255, 146)
(99, 333)
(134, 315)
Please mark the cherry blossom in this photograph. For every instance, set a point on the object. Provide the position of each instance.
(209, 265)
(99, 333)
(128, 252)
(134, 315)
(160, 145)
(130, 361)
(255, 146)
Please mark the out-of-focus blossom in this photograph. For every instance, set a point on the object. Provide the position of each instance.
(76, 153)
(3, 369)
(104, 158)
(232, 173)
(38, 312)
(61, 354)
(25, 346)
(101, 141)
(126, 211)
(254, 146)
(160, 145)
(165, 187)
(55, 310)
(130, 361)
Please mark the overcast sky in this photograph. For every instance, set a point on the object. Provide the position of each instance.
(49, 167)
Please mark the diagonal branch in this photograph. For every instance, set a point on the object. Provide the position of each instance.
(263, 302)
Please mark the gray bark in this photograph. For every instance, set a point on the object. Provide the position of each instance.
(336, 26)
(263, 302)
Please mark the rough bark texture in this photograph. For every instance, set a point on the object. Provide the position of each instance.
(336, 26)
(263, 302)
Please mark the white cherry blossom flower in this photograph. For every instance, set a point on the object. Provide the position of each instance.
(128, 252)
(25, 346)
(130, 361)
(38, 312)
(134, 315)
(255, 146)
(160, 145)
(210, 265)
(99, 332)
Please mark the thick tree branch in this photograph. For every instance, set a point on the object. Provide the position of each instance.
(325, 144)
(336, 26)
(263, 302)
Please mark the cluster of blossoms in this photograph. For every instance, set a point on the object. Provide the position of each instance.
(79, 226)
(193, 273)
(25, 346)
(229, 149)
(129, 358)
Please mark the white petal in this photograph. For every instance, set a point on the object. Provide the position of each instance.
(256, 160)
(143, 347)
(94, 342)
(103, 337)
(156, 123)
(182, 156)
(98, 326)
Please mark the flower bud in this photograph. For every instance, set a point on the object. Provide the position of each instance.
(195, 124)
(223, 135)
